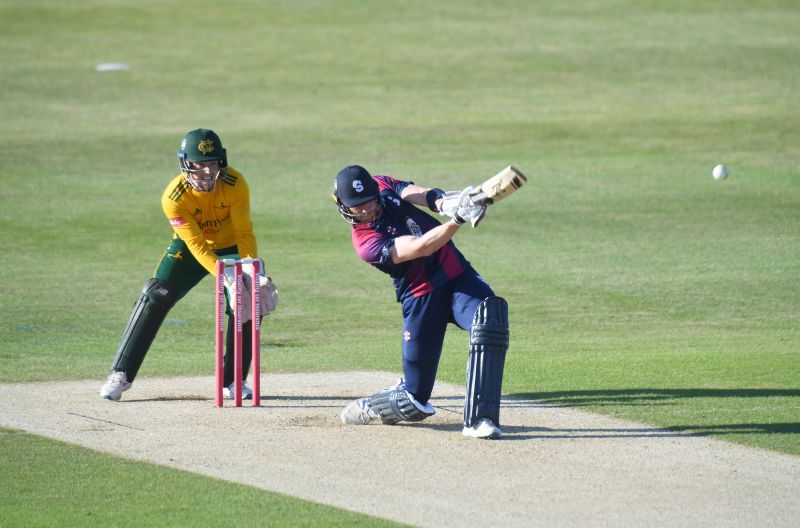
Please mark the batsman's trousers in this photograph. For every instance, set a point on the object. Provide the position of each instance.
(425, 320)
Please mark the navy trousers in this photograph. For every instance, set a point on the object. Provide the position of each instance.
(425, 320)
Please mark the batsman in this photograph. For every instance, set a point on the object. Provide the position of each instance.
(436, 285)
(208, 207)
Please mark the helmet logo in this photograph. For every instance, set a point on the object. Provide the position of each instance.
(206, 146)
(358, 186)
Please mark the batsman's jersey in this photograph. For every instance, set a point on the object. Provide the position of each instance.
(373, 243)
(211, 220)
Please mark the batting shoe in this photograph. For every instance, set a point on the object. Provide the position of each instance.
(229, 391)
(358, 412)
(485, 429)
(115, 385)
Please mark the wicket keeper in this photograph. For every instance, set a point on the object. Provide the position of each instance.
(208, 207)
(436, 285)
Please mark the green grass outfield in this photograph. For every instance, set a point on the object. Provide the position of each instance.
(638, 286)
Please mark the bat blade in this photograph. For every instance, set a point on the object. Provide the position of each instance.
(498, 186)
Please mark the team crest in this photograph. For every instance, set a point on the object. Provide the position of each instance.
(413, 227)
(206, 146)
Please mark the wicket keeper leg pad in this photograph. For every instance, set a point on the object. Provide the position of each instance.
(149, 312)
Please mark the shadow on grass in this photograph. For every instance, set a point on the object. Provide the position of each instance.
(598, 398)
(737, 429)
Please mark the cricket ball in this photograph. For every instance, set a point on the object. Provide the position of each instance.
(720, 172)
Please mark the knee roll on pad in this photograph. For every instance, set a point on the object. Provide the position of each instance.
(149, 311)
(488, 344)
(395, 405)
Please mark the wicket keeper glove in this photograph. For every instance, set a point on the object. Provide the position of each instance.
(230, 293)
(267, 293)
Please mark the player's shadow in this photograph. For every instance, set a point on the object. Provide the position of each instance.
(675, 431)
(267, 400)
(524, 432)
(654, 397)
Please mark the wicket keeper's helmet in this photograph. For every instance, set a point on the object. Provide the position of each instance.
(352, 187)
(198, 146)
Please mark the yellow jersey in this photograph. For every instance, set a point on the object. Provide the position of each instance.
(211, 220)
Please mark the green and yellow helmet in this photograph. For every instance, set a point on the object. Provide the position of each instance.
(198, 146)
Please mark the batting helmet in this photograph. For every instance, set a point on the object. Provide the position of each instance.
(352, 187)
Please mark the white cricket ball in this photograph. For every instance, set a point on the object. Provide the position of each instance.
(720, 172)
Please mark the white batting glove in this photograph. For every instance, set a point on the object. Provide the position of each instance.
(461, 208)
(450, 202)
(475, 214)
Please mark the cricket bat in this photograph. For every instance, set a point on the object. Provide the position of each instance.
(498, 186)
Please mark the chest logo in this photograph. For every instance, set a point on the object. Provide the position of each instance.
(413, 227)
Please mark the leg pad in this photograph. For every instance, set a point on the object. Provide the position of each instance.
(148, 314)
(487, 354)
(396, 404)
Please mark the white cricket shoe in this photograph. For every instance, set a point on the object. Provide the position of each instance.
(484, 429)
(358, 412)
(228, 392)
(115, 385)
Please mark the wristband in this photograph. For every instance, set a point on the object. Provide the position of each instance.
(458, 220)
(431, 197)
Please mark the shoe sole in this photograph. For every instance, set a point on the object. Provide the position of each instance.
(493, 436)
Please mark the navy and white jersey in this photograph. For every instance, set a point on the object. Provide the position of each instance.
(373, 243)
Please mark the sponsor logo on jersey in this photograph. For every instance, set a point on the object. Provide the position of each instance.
(177, 221)
(413, 227)
(406, 336)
